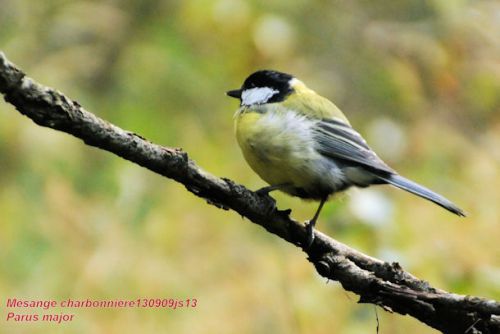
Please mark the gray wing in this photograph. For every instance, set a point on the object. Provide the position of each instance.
(337, 140)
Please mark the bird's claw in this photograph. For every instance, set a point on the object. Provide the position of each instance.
(263, 191)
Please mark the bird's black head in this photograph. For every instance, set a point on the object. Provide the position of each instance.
(264, 86)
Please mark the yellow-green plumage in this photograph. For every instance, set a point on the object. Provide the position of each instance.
(277, 142)
(307, 102)
(267, 156)
(299, 142)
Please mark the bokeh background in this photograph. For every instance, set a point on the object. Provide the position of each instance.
(419, 79)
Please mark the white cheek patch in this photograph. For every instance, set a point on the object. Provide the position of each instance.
(257, 95)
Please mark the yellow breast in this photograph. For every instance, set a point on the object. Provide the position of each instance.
(277, 144)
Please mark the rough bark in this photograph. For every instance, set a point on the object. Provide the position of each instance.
(384, 284)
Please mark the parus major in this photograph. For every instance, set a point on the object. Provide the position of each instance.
(302, 144)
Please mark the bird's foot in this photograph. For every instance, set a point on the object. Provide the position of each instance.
(264, 193)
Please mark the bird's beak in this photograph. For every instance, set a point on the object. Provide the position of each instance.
(236, 93)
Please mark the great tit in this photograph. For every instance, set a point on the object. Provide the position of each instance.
(302, 144)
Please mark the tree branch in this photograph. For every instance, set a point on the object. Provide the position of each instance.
(377, 282)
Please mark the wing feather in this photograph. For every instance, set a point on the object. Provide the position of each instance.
(338, 140)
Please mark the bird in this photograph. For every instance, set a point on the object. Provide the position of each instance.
(301, 143)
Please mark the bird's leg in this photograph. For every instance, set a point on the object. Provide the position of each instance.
(312, 222)
(266, 190)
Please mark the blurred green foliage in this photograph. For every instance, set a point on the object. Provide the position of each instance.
(420, 79)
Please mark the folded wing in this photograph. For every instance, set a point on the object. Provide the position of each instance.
(339, 140)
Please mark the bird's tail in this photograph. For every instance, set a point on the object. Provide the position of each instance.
(414, 188)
